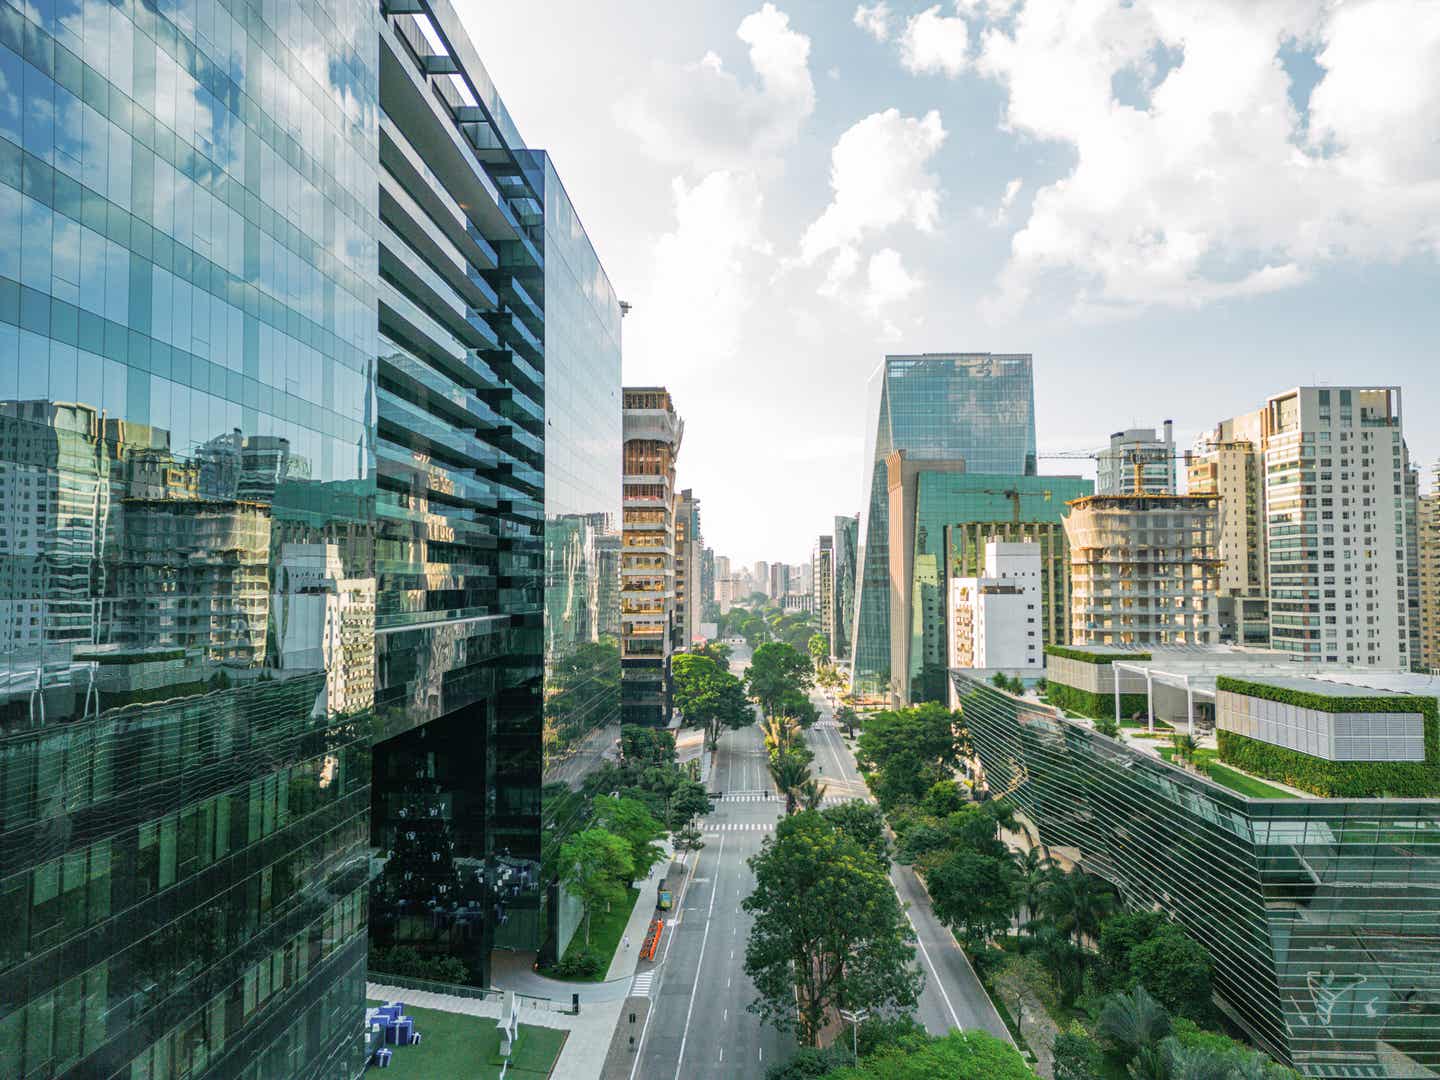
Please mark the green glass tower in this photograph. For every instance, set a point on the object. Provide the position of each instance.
(955, 412)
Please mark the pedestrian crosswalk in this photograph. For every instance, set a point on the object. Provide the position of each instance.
(826, 724)
(640, 985)
(751, 796)
(738, 826)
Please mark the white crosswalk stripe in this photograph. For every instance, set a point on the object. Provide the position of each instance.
(738, 826)
(640, 987)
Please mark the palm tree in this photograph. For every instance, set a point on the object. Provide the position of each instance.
(1133, 1021)
(789, 773)
(1033, 871)
(1185, 747)
(1078, 902)
(779, 732)
(810, 794)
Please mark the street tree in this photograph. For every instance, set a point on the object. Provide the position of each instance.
(631, 820)
(972, 894)
(596, 869)
(848, 718)
(790, 772)
(777, 670)
(862, 822)
(829, 931)
(931, 731)
(687, 838)
(818, 647)
(709, 696)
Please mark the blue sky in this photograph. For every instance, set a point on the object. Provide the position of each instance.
(1179, 208)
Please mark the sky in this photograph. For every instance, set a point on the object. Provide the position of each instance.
(1179, 207)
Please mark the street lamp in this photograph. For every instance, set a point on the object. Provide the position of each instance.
(854, 1017)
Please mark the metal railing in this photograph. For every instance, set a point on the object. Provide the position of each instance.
(476, 993)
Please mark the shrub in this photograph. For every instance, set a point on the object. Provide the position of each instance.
(411, 963)
(1077, 1057)
(578, 963)
(1095, 706)
(808, 1063)
(1065, 652)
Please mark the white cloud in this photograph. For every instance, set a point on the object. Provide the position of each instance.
(1210, 183)
(934, 43)
(887, 282)
(1007, 200)
(874, 19)
(702, 116)
(702, 269)
(878, 179)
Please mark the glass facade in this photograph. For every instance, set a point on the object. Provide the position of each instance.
(946, 500)
(1319, 914)
(582, 537)
(976, 408)
(187, 536)
(846, 538)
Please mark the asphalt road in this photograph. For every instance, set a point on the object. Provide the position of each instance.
(953, 996)
(698, 1025)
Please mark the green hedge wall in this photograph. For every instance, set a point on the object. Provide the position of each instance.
(1067, 653)
(1426, 706)
(1095, 706)
(1330, 779)
(1336, 779)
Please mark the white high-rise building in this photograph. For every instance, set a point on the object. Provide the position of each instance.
(995, 620)
(1336, 525)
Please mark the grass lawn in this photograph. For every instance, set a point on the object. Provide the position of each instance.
(606, 930)
(1206, 760)
(458, 1047)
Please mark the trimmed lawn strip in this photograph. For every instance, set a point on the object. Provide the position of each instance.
(606, 930)
(460, 1047)
(1206, 760)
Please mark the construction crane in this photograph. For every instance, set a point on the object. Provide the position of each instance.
(1134, 456)
(1014, 495)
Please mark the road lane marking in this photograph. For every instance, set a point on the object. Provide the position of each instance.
(699, 967)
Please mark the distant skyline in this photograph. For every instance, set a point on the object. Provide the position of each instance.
(1179, 209)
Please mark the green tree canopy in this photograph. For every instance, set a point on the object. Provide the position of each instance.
(632, 821)
(862, 822)
(931, 731)
(596, 868)
(709, 696)
(777, 670)
(644, 746)
(829, 931)
(972, 894)
(970, 1055)
(818, 647)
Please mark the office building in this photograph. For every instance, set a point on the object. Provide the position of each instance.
(195, 902)
(822, 592)
(995, 619)
(291, 399)
(779, 586)
(931, 505)
(964, 412)
(1144, 569)
(846, 537)
(1412, 554)
(761, 576)
(653, 433)
(1428, 573)
(1317, 911)
(707, 580)
(1138, 461)
(1229, 462)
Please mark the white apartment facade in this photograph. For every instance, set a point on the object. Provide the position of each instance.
(995, 620)
(1336, 520)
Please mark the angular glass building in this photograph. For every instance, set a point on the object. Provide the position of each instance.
(970, 412)
(188, 225)
(846, 539)
(307, 526)
(1319, 915)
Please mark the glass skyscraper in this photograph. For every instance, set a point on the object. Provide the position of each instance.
(188, 210)
(309, 479)
(972, 412)
(846, 539)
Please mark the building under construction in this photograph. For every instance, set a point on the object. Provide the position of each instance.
(1144, 569)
